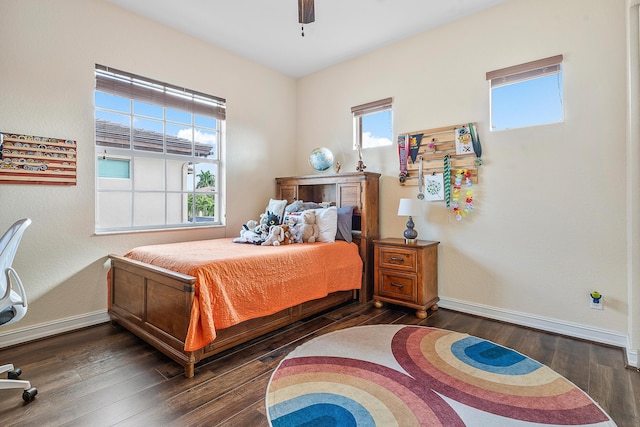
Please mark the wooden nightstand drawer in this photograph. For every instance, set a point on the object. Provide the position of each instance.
(397, 258)
(398, 285)
(406, 274)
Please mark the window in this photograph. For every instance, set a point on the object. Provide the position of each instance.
(527, 95)
(157, 154)
(372, 125)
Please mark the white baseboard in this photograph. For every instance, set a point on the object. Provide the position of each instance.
(43, 330)
(632, 358)
(551, 325)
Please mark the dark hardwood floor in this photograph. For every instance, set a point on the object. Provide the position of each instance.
(104, 376)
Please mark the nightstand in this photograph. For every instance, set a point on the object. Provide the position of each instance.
(406, 274)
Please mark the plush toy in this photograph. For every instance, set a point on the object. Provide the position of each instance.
(296, 206)
(309, 229)
(250, 233)
(287, 235)
(276, 236)
(295, 229)
(263, 230)
(269, 219)
(249, 226)
(299, 206)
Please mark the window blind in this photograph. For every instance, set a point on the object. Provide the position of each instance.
(527, 71)
(372, 107)
(122, 83)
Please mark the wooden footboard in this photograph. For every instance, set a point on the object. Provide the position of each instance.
(155, 304)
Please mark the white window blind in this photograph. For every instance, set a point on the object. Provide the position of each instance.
(122, 83)
(527, 71)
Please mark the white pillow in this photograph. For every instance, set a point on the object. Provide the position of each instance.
(277, 208)
(327, 220)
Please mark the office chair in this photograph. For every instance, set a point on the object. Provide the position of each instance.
(13, 302)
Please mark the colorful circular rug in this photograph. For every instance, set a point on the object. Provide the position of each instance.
(398, 375)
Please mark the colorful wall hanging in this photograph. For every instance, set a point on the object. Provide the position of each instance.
(435, 145)
(27, 159)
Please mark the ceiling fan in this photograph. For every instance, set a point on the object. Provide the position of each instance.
(306, 13)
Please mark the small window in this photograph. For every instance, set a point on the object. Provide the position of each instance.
(372, 124)
(527, 95)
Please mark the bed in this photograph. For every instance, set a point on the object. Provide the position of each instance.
(191, 300)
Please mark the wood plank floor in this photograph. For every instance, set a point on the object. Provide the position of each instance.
(104, 376)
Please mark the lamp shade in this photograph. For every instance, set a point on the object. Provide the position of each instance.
(409, 207)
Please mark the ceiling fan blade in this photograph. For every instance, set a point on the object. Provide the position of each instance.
(306, 11)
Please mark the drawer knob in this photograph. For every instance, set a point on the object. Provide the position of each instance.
(394, 258)
(397, 285)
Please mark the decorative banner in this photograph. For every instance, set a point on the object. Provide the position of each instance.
(414, 146)
(434, 187)
(475, 137)
(464, 141)
(403, 155)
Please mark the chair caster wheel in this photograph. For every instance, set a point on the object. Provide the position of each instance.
(29, 394)
(13, 375)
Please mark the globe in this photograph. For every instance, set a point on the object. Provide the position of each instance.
(321, 159)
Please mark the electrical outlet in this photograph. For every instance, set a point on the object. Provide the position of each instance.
(596, 305)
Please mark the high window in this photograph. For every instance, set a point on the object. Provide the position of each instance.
(527, 94)
(158, 151)
(372, 124)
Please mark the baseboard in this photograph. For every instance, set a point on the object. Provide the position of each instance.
(632, 358)
(550, 325)
(31, 333)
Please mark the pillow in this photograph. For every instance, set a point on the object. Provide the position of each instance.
(277, 208)
(327, 220)
(294, 217)
(345, 216)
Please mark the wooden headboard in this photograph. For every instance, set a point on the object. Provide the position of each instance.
(358, 189)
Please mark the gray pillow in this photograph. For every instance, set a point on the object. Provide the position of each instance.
(345, 216)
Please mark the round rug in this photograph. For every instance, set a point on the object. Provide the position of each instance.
(385, 375)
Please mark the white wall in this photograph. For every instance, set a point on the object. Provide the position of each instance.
(60, 259)
(549, 223)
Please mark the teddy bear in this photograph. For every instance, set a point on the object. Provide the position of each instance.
(275, 237)
(287, 235)
(309, 229)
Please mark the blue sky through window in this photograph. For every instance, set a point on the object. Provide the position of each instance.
(377, 129)
(527, 103)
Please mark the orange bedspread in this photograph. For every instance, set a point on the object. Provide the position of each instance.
(237, 282)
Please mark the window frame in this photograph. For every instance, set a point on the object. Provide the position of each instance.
(363, 110)
(522, 73)
(169, 98)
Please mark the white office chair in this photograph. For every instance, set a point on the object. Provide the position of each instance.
(13, 301)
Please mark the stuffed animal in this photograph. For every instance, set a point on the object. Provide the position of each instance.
(309, 228)
(269, 219)
(287, 235)
(295, 229)
(296, 206)
(250, 233)
(276, 236)
(249, 226)
(299, 206)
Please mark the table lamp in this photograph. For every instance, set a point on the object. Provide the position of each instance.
(409, 207)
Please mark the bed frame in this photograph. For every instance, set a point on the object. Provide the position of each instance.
(155, 303)
(142, 295)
